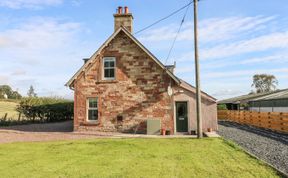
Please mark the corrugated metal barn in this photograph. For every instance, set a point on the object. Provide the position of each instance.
(275, 102)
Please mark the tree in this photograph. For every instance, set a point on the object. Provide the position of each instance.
(6, 90)
(15, 95)
(264, 83)
(221, 107)
(31, 92)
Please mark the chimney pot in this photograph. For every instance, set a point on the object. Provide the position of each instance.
(124, 19)
(119, 10)
(126, 10)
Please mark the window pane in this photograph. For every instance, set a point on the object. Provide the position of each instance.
(109, 73)
(109, 63)
(93, 115)
(92, 102)
(106, 63)
(106, 73)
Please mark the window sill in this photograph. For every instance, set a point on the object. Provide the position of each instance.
(107, 81)
(90, 123)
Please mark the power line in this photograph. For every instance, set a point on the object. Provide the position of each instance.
(173, 13)
(175, 38)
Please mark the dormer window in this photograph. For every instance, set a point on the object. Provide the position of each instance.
(109, 66)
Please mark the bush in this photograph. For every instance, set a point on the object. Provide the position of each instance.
(46, 109)
(221, 107)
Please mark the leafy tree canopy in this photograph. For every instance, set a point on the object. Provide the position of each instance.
(7, 90)
(264, 83)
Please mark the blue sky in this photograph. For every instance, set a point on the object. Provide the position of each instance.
(42, 42)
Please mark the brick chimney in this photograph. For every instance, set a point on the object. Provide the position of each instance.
(124, 19)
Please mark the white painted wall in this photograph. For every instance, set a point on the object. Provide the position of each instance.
(269, 109)
(280, 109)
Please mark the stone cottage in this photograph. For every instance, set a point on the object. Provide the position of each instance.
(122, 85)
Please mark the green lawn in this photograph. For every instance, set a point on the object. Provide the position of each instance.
(8, 107)
(130, 158)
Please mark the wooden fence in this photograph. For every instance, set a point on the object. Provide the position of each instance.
(276, 121)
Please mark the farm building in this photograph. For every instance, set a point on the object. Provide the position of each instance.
(238, 103)
(276, 101)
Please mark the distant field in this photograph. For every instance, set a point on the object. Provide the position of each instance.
(10, 108)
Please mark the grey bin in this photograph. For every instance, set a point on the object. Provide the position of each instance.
(153, 127)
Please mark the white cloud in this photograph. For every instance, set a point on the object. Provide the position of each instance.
(277, 40)
(220, 29)
(38, 33)
(214, 29)
(19, 72)
(4, 80)
(265, 42)
(226, 93)
(277, 58)
(271, 58)
(239, 73)
(76, 2)
(38, 51)
(30, 4)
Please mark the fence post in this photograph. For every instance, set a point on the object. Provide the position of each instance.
(282, 122)
(19, 116)
(268, 120)
(5, 116)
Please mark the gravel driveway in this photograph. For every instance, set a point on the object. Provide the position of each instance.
(267, 145)
(42, 132)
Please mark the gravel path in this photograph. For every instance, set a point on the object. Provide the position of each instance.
(61, 131)
(267, 145)
(42, 132)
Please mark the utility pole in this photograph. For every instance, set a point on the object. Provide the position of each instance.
(197, 75)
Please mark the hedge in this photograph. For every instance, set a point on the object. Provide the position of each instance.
(46, 109)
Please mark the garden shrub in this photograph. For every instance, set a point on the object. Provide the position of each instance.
(46, 109)
(221, 107)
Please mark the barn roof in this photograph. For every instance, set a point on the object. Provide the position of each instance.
(242, 98)
(278, 94)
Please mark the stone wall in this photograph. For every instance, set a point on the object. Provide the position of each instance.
(125, 20)
(138, 93)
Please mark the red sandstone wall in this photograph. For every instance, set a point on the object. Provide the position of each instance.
(139, 91)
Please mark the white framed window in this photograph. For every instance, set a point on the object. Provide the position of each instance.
(92, 109)
(109, 68)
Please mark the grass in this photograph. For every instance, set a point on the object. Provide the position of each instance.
(8, 107)
(130, 158)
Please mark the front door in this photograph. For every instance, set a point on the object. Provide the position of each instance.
(181, 117)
